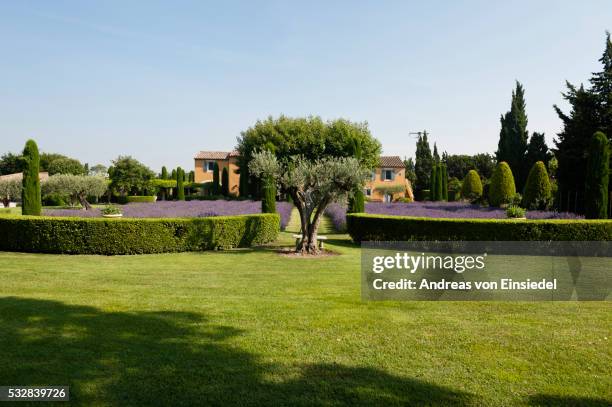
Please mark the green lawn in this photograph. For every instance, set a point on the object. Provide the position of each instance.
(251, 327)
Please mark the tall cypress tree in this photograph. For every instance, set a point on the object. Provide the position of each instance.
(180, 188)
(513, 136)
(591, 111)
(225, 182)
(436, 156)
(598, 167)
(444, 182)
(423, 163)
(433, 194)
(164, 173)
(356, 203)
(268, 200)
(30, 194)
(439, 182)
(215, 185)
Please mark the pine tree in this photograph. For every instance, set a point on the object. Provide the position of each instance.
(433, 195)
(423, 163)
(597, 177)
(436, 156)
(591, 111)
(537, 189)
(30, 194)
(537, 150)
(180, 188)
(513, 136)
(225, 182)
(215, 185)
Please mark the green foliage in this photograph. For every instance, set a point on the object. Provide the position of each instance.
(472, 186)
(390, 189)
(368, 227)
(111, 210)
(459, 165)
(10, 164)
(141, 198)
(134, 236)
(180, 187)
(30, 194)
(129, 176)
(513, 135)
(191, 177)
(434, 184)
(268, 200)
(164, 173)
(502, 189)
(591, 111)
(216, 189)
(77, 187)
(537, 190)
(243, 185)
(98, 170)
(444, 183)
(537, 150)
(309, 137)
(410, 171)
(597, 177)
(10, 190)
(225, 182)
(65, 165)
(357, 202)
(515, 211)
(423, 164)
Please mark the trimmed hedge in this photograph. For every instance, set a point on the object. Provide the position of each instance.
(43, 234)
(366, 227)
(141, 198)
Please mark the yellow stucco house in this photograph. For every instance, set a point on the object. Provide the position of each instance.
(388, 182)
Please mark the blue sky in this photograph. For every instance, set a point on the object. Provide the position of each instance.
(163, 80)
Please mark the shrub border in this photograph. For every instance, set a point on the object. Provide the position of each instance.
(45, 234)
(370, 227)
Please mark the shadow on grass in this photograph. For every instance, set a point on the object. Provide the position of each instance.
(554, 400)
(175, 358)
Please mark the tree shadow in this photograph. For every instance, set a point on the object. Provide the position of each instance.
(554, 400)
(176, 358)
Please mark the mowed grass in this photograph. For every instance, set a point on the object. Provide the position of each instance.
(252, 327)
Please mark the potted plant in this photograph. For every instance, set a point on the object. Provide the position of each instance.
(111, 211)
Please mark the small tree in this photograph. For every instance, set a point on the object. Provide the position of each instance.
(472, 186)
(180, 187)
(191, 176)
(268, 200)
(129, 176)
(215, 185)
(77, 187)
(502, 189)
(312, 184)
(537, 193)
(30, 194)
(10, 189)
(444, 183)
(66, 165)
(596, 189)
(225, 182)
(433, 194)
(439, 182)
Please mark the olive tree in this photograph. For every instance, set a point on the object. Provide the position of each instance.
(77, 187)
(312, 184)
(10, 189)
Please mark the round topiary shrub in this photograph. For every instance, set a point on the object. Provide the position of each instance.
(472, 186)
(502, 188)
(537, 190)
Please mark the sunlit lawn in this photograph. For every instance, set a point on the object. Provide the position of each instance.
(251, 327)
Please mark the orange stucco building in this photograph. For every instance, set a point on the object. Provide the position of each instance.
(388, 181)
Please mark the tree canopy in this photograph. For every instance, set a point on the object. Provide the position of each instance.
(129, 176)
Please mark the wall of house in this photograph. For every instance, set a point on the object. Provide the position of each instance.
(377, 182)
(201, 175)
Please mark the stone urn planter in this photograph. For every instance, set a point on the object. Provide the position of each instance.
(113, 215)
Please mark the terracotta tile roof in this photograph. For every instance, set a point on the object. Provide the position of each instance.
(213, 155)
(43, 176)
(391, 161)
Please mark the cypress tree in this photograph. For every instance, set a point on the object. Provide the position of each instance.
(173, 174)
(436, 156)
(225, 182)
(598, 167)
(502, 188)
(164, 173)
(444, 182)
(423, 163)
(191, 176)
(356, 203)
(30, 194)
(268, 200)
(432, 191)
(513, 136)
(537, 189)
(180, 177)
(243, 185)
(439, 183)
(215, 185)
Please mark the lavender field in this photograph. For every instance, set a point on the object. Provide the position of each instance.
(337, 212)
(181, 209)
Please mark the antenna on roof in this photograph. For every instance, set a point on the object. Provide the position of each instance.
(418, 133)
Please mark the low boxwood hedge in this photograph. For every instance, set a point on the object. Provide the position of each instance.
(42, 234)
(367, 227)
(141, 198)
